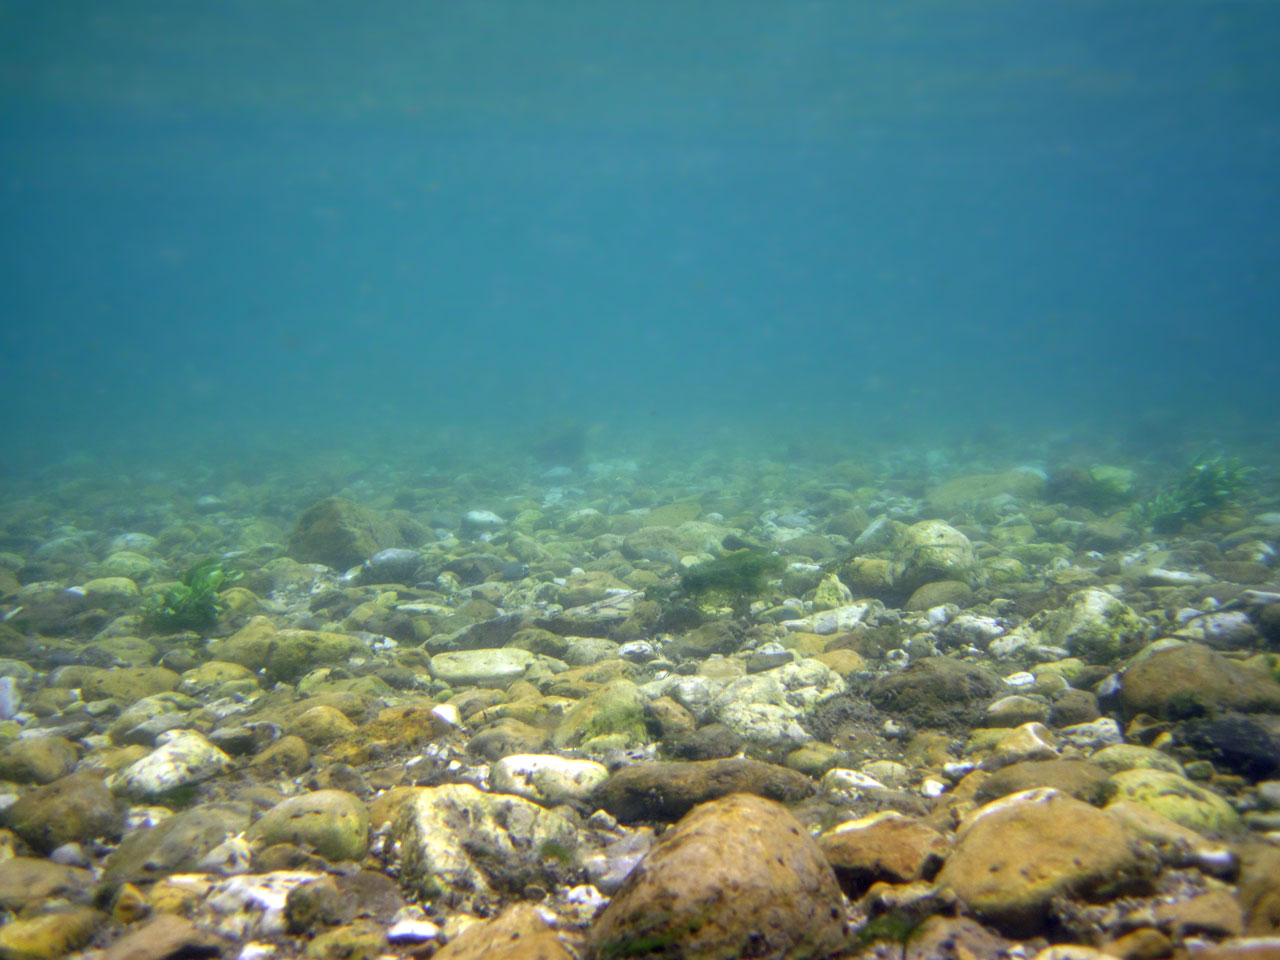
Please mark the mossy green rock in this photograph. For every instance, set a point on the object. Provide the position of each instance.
(364, 940)
(175, 845)
(340, 533)
(333, 823)
(1094, 625)
(1021, 484)
(49, 935)
(37, 759)
(128, 684)
(616, 711)
(1176, 798)
(24, 880)
(932, 550)
(75, 809)
(125, 563)
(111, 593)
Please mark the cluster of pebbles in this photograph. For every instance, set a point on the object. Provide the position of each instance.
(457, 721)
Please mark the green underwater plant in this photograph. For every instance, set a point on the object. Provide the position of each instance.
(734, 579)
(1204, 487)
(192, 604)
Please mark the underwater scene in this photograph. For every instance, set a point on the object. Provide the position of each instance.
(591, 480)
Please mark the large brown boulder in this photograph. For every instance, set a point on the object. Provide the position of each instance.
(738, 877)
(1192, 679)
(1017, 854)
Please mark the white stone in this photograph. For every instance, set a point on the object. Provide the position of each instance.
(546, 778)
(840, 780)
(253, 905)
(438, 825)
(495, 667)
(184, 758)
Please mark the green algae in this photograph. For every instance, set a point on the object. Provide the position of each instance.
(734, 579)
(192, 604)
(1207, 485)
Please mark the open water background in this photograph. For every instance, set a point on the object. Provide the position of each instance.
(276, 226)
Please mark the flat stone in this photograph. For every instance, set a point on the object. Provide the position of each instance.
(161, 938)
(487, 668)
(667, 791)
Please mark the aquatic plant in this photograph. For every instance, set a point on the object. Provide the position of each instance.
(192, 604)
(734, 579)
(1207, 485)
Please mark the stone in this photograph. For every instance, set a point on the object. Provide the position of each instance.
(287, 756)
(1175, 797)
(340, 533)
(518, 933)
(322, 724)
(333, 823)
(667, 791)
(765, 709)
(362, 940)
(1130, 756)
(546, 778)
(164, 937)
(716, 636)
(1192, 680)
(25, 881)
(976, 487)
(937, 592)
(48, 936)
(486, 668)
(76, 809)
(613, 715)
(1075, 778)
(128, 684)
(37, 759)
(176, 844)
(1094, 625)
(785, 900)
(884, 847)
(1014, 856)
(184, 759)
(937, 692)
(933, 550)
(469, 847)
(1234, 744)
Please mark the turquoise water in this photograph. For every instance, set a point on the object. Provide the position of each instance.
(242, 229)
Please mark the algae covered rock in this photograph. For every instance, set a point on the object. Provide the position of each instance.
(467, 845)
(1176, 798)
(37, 759)
(933, 550)
(75, 809)
(333, 823)
(976, 487)
(1094, 625)
(937, 692)
(340, 533)
(785, 900)
(614, 715)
